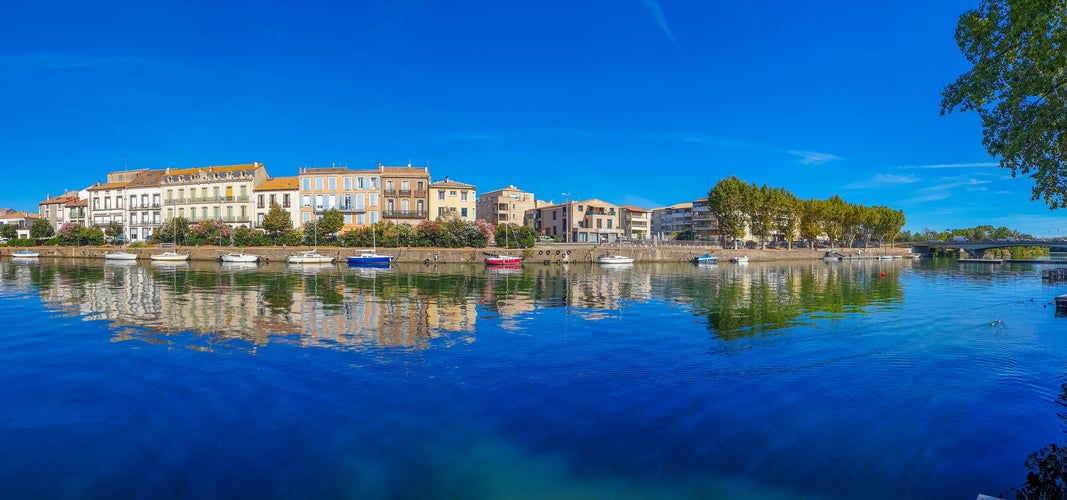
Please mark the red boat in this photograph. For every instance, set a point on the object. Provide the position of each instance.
(502, 260)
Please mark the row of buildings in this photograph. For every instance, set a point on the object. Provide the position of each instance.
(241, 195)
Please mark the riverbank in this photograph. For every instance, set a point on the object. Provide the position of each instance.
(544, 253)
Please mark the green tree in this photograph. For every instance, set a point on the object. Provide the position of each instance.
(527, 237)
(330, 222)
(726, 202)
(113, 230)
(9, 231)
(172, 231)
(1018, 86)
(41, 229)
(787, 214)
(277, 222)
(810, 220)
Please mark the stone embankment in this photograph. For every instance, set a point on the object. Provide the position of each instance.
(551, 253)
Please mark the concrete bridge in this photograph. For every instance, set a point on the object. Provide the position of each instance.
(977, 249)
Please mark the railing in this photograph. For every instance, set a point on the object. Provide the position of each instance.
(404, 214)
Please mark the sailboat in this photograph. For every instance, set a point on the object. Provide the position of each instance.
(120, 254)
(310, 256)
(372, 257)
(617, 258)
(502, 259)
(171, 255)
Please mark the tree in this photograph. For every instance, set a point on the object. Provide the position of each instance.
(41, 229)
(171, 231)
(726, 202)
(330, 222)
(9, 231)
(113, 230)
(1018, 86)
(277, 222)
(810, 217)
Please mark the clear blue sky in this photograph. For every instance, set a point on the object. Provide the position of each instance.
(646, 102)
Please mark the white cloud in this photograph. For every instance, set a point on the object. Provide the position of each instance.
(813, 158)
(952, 165)
(881, 180)
(661, 20)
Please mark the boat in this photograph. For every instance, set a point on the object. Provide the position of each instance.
(885, 257)
(309, 257)
(239, 257)
(26, 254)
(704, 259)
(740, 260)
(502, 260)
(120, 255)
(615, 259)
(372, 256)
(170, 256)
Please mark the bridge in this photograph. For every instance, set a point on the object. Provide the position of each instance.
(977, 248)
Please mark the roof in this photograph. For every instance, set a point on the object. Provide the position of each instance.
(78, 203)
(509, 188)
(222, 168)
(59, 200)
(20, 215)
(447, 183)
(280, 184)
(148, 178)
(404, 171)
(631, 208)
(109, 185)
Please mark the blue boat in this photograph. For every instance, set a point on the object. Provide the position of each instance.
(370, 258)
(703, 259)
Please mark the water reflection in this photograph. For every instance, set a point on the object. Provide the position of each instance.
(408, 306)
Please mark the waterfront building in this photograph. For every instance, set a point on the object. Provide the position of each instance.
(636, 222)
(54, 209)
(281, 191)
(507, 205)
(405, 194)
(144, 194)
(354, 193)
(449, 196)
(107, 204)
(705, 226)
(21, 220)
(588, 221)
(212, 193)
(668, 222)
(78, 210)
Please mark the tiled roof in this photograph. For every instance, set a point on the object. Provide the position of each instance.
(148, 178)
(58, 200)
(451, 183)
(78, 203)
(110, 185)
(632, 208)
(223, 168)
(280, 184)
(20, 215)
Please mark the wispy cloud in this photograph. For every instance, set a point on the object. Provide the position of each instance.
(813, 158)
(882, 180)
(952, 165)
(639, 201)
(661, 20)
(42, 61)
(944, 189)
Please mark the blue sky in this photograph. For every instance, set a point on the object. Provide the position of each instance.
(646, 102)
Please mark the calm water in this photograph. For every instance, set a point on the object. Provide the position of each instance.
(803, 379)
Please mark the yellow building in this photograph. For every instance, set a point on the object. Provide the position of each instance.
(354, 193)
(449, 196)
(508, 205)
(405, 194)
(213, 193)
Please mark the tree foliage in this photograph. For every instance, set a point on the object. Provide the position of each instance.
(41, 229)
(1018, 86)
(9, 231)
(726, 201)
(277, 222)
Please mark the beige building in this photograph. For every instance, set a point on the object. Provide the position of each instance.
(636, 222)
(354, 193)
(667, 222)
(405, 194)
(56, 210)
(107, 204)
(508, 205)
(449, 196)
(589, 221)
(21, 220)
(281, 191)
(705, 226)
(212, 193)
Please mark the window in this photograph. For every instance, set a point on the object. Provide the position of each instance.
(107, 203)
(133, 201)
(306, 201)
(359, 201)
(285, 200)
(348, 219)
(244, 192)
(348, 183)
(389, 206)
(331, 201)
(374, 199)
(452, 193)
(229, 213)
(244, 212)
(332, 186)
(463, 212)
(318, 184)
(440, 211)
(441, 196)
(405, 186)
(118, 201)
(307, 217)
(405, 205)
(463, 195)
(318, 202)
(259, 201)
(609, 223)
(359, 218)
(359, 183)
(554, 213)
(144, 200)
(421, 208)
(388, 185)
(307, 183)
(155, 200)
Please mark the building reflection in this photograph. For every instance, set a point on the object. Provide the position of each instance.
(410, 307)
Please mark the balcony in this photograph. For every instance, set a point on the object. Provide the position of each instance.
(404, 214)
(352, 210)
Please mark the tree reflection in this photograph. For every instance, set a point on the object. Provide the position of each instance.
(1047, 468)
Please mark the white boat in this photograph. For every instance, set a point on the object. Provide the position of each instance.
(309, 257)
(704, 259)
(885, 257)
(26, 254)
(120, 255)
(239, 257)
(170, 257)
(740, 260)
(615, 259)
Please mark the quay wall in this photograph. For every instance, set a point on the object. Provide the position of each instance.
(553, 253)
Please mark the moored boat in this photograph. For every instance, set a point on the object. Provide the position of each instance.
(740, 260)
(170, 256)
(309, 257)
(370, 258)
(239, 257)
(615, 259)
(704, 259)
(120, 255)
(502, 260)
(26, 254)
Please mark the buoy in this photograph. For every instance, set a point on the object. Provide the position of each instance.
(546, 262)
(882, 275)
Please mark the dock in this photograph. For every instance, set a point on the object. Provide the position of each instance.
(1061, 301)
(981, 261)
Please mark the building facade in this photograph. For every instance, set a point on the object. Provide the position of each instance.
(508, 205)
(212, 193)
(55, 209)
(281, 191)
(589, 221)
(636, 222)
(354, 193)
(451, 197)
(107, 204)
(405, 194)
(145, 204)
(667, 222)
